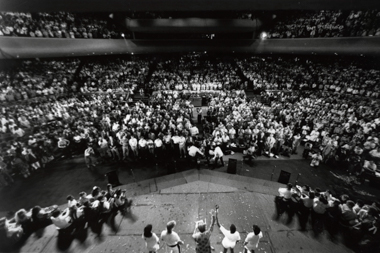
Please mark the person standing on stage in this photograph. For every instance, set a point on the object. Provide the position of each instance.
(231, 237)
(152, 242)
(171, 238)
(218, 155)
(252, 241)
(202, 236)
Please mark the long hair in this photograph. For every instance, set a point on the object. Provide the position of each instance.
(148, 231)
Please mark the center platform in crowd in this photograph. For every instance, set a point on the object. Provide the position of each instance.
(188, 197)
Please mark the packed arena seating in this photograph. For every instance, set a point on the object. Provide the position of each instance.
(36, 79)
(195, 72)
(326, 23)
(293, 73)
(285, 24)
(57, 25)
(331, 108)
(113, 75)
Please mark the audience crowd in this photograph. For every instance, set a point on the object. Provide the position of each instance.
(286, 24)
(195, 72)
(37, 79)
(335, 113)
(114, 75)
(89, 211)
(57, 25)
(356, 221)
(326, 23)
(339, 77)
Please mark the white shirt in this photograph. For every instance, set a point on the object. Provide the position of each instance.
(182, 141)
(176, 139)
(218, 152)
(284, 192)
(158, 143)
(63, 220)
(193, 150)
(133, 142)
(229, 240)
(88, 152)
(142, 143)
(151, 243)
(170, 239)
(252, 240)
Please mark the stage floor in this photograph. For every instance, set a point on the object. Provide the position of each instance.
(187, 197)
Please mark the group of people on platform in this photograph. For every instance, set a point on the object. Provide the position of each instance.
(357, 221)
(201, 236)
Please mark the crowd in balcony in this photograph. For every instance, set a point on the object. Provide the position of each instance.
(326, 23)
(57, 25)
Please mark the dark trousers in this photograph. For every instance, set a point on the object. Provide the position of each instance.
(303, 216)
(216, 161)
(317, 222)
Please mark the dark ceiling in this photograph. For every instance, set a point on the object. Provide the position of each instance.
(181, 5)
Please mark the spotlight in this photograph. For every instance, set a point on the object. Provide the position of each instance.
(132, 53)
(263, 35)
(122, 35)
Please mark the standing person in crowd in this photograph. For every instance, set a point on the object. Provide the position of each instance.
(194, 153)
(282, 201)
(252, 241)
(318, 213)
(89, 157)
(296, 142)
(5, 177)
(64, 146)
(202, 236)
(171, 238)
(152, 242)
(231, 237)
(316, 159)
(306, 203)
(133, 145)
(218, 155)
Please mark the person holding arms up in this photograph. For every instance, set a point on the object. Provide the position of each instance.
(231, 237)
(202, 236)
